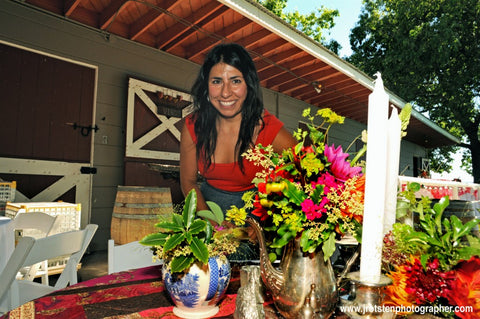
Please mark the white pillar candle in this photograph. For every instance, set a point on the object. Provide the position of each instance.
(393, 161)
(375, 181)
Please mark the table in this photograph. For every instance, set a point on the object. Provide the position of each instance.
(136, 293)
(133, 294)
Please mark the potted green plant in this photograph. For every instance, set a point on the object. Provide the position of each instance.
(196, 271)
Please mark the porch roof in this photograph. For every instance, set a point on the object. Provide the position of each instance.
(287, 61)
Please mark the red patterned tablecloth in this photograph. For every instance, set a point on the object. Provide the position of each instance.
(132, 294)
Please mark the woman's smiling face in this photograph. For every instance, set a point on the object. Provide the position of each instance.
(227, 89)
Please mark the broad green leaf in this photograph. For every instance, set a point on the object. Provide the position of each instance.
(423, 259)
(417, 237)
(208, 232)
(217, 211)
(457, 226)
(168, 226)
(197, 226)
(199, 250)
(295, 195)
(317, 193)
(304, 239)
(466, 229)
(282, 241)
(155, 239)
(474, 242)
(206, 214)
(178, 219)
(414, 187)
(465, 253)
(298, 147)
(189, 208)
(435, 241)
(173, 241)
(181, 263)
(447, 239)
(316, 136)
(272, 256)
(188, 237)
(284, 228)
(439, 208)
(446, 225)
(402, 208)
(329, 247)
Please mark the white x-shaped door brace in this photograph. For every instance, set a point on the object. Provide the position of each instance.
(134, 148)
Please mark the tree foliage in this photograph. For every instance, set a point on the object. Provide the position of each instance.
(428, 52)
(312, 24)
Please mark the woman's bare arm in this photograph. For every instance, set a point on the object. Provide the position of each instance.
(283, 140)
(188, 167)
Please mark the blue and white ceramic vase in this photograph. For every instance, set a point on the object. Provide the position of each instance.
(196, 293)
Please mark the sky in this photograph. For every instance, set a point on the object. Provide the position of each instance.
(349, 10)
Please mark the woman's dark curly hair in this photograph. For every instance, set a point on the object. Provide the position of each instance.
(206, 115)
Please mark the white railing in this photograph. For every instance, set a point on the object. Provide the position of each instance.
(435, 188)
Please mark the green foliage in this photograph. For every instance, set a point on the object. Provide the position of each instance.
(428, 53)
(408, 203)
(439, 237)
(404, 116)
(312, 24)
(186, 230)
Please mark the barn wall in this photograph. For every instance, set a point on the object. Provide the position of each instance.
(116, 59)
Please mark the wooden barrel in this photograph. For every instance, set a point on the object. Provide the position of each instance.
(136, 210)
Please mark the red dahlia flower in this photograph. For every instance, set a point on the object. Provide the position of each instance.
(466, 288)
(428, 284)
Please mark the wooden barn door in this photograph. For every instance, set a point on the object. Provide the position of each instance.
(46, 132)
(155, 117)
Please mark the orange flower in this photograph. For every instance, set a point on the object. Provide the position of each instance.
(466, 288)
(395, 293)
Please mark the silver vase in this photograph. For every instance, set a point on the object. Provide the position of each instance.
(292, 283)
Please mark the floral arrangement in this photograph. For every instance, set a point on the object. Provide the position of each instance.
(311, 190)
(437, 264)
(190, 236)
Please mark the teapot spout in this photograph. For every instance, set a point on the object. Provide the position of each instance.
(272, 278)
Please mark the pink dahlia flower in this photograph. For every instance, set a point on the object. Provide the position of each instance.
(340, 168)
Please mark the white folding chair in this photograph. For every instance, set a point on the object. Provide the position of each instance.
(37, 225)
(129, 256)
(29, 251)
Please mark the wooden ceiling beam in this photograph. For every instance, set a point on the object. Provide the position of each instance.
(227, 32)
(190, 32)
(269, 49)
(252, 39)
(108, 14)
(279, 59)
(69, 6)
(299, 67)
(283, 81)
(153, 15)
(180, 29)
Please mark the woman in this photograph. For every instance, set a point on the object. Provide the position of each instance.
(229, 119)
